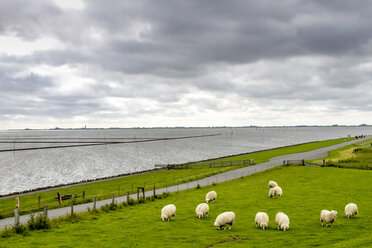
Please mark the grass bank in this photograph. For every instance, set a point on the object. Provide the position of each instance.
(306, 191)
(120, 186)
(358, 156)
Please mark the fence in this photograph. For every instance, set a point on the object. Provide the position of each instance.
(297, 162)
(231, 163)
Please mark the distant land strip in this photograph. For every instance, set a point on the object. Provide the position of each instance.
(106, 143)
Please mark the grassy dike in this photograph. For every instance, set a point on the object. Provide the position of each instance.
(306, 191)
(105, 189)
(358, 156)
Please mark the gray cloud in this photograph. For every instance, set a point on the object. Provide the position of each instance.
(176, 57)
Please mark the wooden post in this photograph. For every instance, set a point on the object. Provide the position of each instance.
(72, 204)
(137, 193)
(323, 162)
(39, 199)
(83, 195)
(94, 203)
(303, 162)
(45, 212)
(154, 193)
(127, 196)
(59, 198)
(16, 216)
(17, 204)
(143, 193)
(113, 198)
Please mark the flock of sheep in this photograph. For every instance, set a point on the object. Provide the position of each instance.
(261, 219)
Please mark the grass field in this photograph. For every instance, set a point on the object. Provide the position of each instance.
(358, 156)
(306, 191)
(105, 189)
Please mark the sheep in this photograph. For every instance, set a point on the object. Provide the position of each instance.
(201, 210)
(262, 220)
(223, 219)
(211, 196)
(167, 212)
(328, 216)
(282, 221)
(272, 184)
(351, 209)
(276, 191)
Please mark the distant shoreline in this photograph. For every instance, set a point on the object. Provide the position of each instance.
(178, 127)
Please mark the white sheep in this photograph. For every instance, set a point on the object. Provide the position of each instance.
(211, 196)
(201, 210)
(282, 221)
(351, 209)
(276, 191)
(226, 218)
(262, 220)
(167, 212)
(272, 184)
(328, 216)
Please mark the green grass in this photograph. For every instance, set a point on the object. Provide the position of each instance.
(120, 186)
(358, 156)
(306, 191)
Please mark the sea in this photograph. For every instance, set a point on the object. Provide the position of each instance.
(98, 153)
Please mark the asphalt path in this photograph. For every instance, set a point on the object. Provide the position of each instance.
(218, 178)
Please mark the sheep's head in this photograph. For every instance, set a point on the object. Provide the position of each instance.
(217, 225)
(285, 227)
(334, 213)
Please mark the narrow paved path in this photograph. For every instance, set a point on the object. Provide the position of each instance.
(218, 178)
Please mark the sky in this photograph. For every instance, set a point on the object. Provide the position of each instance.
(114, 63)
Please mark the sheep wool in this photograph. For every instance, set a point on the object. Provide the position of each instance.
(168, 212)
(328, 216)
(282, 221)
(350, 210)
(272, 184)
(211, 196)
(276, 191)
(262, 220)
(226, 218)
(201, 210)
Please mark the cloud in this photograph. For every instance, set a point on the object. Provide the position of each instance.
(133, 62)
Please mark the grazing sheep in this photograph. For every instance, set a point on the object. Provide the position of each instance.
(201, 210)
(351, 209)
(272, 184)
(211, 196)
(328, 216)
(262, 220)
(167, 212)
(282, 221)
(276, 191)
(223, 219)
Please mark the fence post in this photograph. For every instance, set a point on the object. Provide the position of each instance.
(16, 216)
(154, 193)
(323, 162)
(303, 162)
(72, 204)
(137, 193)
(94, 204)
(83, 195)
(113, 198)
(17, 203)
(39, 200)
(143, 193)
(127, 196)
(45, 213)
(59, 198)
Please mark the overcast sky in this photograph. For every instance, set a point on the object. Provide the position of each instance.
(184, 63)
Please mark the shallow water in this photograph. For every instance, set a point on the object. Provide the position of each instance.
(24, 170)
